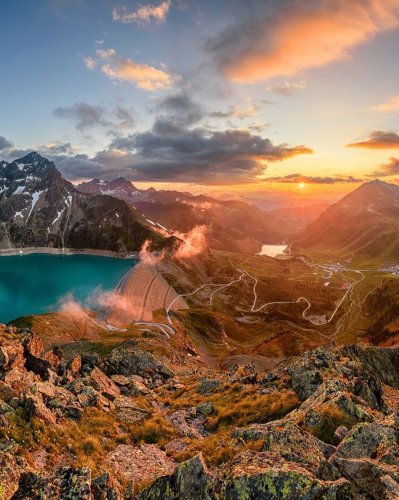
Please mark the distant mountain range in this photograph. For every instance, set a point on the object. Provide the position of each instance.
(364, 224)
(233, 225)
(39, 208)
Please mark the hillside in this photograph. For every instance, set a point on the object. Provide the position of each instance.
(39, 208)
(144, 418)
(232, 225)
(301, 216)
(363, 225)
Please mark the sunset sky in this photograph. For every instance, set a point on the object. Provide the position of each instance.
(224, 97)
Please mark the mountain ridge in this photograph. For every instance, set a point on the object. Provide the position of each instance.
(233, 225)
(364, 224)
(38, 207)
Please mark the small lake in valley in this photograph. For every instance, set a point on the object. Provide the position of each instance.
(273, 250)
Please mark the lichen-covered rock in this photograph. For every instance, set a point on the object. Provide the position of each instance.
(139, 464)
(104, 487)
(33, 486)
(368, 440)
(206, 409)
(9, 476)
(265, 475)
(207, 385)
(368, 388)
(369, 479)
(20, 380)
(6, 392)
(128, 411)
(189, 423)
(75, 483)
(128, 359)
(3, 357)
(190, 481)
(305, 378)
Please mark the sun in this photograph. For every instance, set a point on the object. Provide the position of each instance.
(301, 185)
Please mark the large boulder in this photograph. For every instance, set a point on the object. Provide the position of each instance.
(369, 479)
(33, 352)
(139, 464)
(289, 441)
(190, 481)
(266, 475)
(189, 423)
(75, 483)
(128, 411)
(368, 441)
(33, 486)
(103, 384)
(104, 487)
(128, 359)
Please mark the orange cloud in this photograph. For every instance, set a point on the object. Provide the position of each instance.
(387, 169)
(392, 105)
(378, 140)
(141, 75)
(298, 36)
(144, 14)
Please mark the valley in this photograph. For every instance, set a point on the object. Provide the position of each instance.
(182, 351)
(199, 250)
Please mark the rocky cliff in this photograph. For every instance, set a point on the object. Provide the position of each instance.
(147, 421)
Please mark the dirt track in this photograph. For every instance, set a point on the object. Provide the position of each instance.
(144, 291)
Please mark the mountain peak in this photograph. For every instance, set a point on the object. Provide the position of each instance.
(32, 157)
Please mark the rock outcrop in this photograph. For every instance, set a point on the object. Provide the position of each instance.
(324, 425)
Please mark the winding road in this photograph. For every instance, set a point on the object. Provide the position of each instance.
(255, 309)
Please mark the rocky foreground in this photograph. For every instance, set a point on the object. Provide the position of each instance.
(125, 424)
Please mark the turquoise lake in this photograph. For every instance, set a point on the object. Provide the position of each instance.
(39, 283)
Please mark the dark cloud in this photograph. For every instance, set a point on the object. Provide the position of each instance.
(124, 117)
(5, 143)
(86, 116)
(378, 140)
(57, 148)
(298, 178)
(387, 169)
(181, 109)
(171, 153)
(80, 166)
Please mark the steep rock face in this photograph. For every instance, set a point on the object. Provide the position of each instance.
(39, 208)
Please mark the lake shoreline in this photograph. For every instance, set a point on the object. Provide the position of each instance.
(7, 252)
(40, 283)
